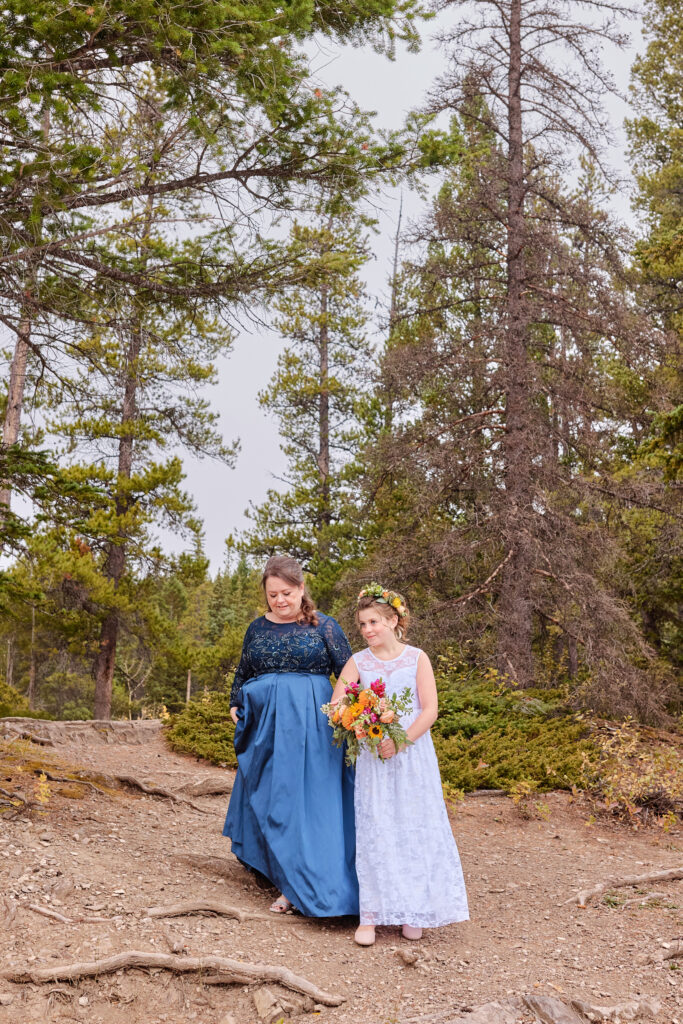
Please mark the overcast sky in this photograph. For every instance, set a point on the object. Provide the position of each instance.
(391, 89)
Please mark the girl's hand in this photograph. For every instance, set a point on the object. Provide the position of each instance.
(387, 748)
(233, 714)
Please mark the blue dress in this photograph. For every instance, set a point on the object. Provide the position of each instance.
(291, 811)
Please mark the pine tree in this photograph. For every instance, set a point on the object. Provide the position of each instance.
(316, 395)
(518, 325)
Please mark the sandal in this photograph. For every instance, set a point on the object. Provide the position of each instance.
(365, 935)
(280, 906)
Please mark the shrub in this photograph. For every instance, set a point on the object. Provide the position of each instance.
(14, 705)
(204, 728)
(491, 736)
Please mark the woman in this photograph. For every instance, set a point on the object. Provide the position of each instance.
(291, 809)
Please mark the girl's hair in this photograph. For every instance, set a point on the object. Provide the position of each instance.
(401, 627)
(289, 570)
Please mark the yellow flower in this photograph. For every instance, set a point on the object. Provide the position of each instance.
(396, 602)
(375, 731)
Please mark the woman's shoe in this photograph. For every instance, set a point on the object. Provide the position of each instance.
(365, 935)
(411, 933)
(280, 906)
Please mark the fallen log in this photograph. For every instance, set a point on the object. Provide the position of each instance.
(582, 897)
(233, 971)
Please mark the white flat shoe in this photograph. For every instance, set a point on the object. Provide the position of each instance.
(365, 935)
(411, 933)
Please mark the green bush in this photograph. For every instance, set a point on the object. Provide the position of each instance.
(491, 736)
(486, 737)
(204, 728)
(14, 705)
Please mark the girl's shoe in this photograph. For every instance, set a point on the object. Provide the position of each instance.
(365, 935)
(411, 933)
(280, 906)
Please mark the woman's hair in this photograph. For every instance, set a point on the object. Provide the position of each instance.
(289, 570)
(386, 610)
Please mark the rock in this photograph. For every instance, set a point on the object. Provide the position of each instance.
(408, 956)
(6, 998)
(83, 1000)
(266, 1004)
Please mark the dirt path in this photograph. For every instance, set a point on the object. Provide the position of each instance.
(112, 855)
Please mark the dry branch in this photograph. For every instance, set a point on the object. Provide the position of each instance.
(584, 895)
(233, 971)
(209, 907)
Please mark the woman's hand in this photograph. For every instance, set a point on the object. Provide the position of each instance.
(233, 714)
(387, 748)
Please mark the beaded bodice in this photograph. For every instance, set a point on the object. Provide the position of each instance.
(290, 647)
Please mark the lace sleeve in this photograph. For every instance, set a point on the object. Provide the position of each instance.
(338, 646)
(244, 671)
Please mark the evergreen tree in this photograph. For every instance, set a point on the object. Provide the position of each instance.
(518, 332)
(316, 395)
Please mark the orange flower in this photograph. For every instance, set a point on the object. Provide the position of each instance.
(360, 732)
(387, 717)
(348, 718)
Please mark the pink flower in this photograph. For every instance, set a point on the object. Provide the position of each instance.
(378, 687)
(387, 717)
(373, 718)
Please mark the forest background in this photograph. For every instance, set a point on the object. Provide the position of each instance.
(497, 433)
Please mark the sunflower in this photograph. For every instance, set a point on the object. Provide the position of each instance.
(375, 731)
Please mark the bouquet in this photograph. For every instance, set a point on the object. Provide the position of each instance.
(364, 717)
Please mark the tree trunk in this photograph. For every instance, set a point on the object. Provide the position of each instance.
(9, 674)
(188, 689)
(105, 661)
(32, 662)
(515, 607)
(324, 430)
(15, 395)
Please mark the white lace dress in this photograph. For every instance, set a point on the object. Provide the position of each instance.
(407, 862)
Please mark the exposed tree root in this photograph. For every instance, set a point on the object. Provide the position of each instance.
(584, 895)
(21, 734)
(207, 787)
(222, 867)
(8, 911)
(75, 781)
(644, 899)
(62, 918)
(232, 971)
(208, 907)
(674, 950)
(543, 1010)
(151, 789)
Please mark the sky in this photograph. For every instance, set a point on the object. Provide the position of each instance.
(391, 89)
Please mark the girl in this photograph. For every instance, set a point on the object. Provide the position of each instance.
(406, 859)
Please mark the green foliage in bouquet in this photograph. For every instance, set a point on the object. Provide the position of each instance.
(204, 728)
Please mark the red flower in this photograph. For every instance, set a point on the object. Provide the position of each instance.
(378, 687)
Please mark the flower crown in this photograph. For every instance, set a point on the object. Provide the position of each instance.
(383, 596)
